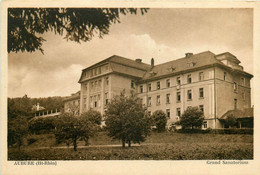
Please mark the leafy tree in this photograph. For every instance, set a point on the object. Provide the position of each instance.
(71, 128)
(41, 125)
(231, 120)
(79, 24)
(17, 131)
(192, 117)
(159, 119)
(93, 116)
(126, 119)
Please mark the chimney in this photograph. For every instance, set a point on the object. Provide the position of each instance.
(189, 54)
(138, 60)
(152, 62)
(38, 107)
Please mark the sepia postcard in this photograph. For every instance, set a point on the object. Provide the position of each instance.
(129, 87)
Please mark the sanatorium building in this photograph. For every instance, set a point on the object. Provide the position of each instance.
(216, 84)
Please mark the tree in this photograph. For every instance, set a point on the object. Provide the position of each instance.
(25, 25)
(41, 125)
(71, 128)
(126, 119)
(192, 117)
(93, 116)
(230, 120)
(159, 120)
(17, 131)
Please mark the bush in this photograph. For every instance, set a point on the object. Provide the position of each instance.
(233, 131)
(191, 131)
(159, 120)
(192, 118)
(218, 131)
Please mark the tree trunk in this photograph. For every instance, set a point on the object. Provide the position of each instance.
(19, 143)
(75, 144)
(123, 143)
(129, 143)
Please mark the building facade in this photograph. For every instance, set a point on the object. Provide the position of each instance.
(214, 83)
(72, 103)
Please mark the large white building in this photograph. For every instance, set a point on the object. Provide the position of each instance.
(214, 83)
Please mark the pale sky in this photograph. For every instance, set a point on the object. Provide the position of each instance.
(162, 34)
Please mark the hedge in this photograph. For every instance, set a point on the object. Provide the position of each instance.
(218, 131)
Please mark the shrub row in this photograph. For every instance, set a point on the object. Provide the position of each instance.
(218, 131)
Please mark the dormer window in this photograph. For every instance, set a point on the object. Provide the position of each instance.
(192, 64)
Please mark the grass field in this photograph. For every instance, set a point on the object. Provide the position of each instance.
(159, 146)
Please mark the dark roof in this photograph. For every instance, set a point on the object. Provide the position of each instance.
(199, 60)
(72, 97)
(228, 55)
(246, 113)
(123, 61)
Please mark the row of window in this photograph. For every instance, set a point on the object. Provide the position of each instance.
(178, 111)
(178, 97)
(242, 80)
(95, 71)
(95, 101)
(168, 83)
(96, 83)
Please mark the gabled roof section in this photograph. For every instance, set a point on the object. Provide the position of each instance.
(228, 56)
(122, 61)
(182, 64)
(128, 62)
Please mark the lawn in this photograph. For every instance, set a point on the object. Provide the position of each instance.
(159, 146)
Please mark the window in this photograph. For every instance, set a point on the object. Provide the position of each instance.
(95, 71)
(149, 101)
(243, 81)
(85, 103)
(178, 80)
(201, 91)
(158, 100)
(235, 103)
(168, 113)
(91, 101)
(95, 101)
(92, 84)
(91, 73)
(149, 87)
(201, 76)
(178, 96)
(205, 124)
(225, 76)
(243, 95)
(158, 85)
(141, 89)
(86, 86)
(168, 98)
(168, 83)
(107, 80)
(235, 87)
(132, 84)
(189, 79)
(178, 112)
(106, 98)
(99, 70)
(189, 95)
(201, 107)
